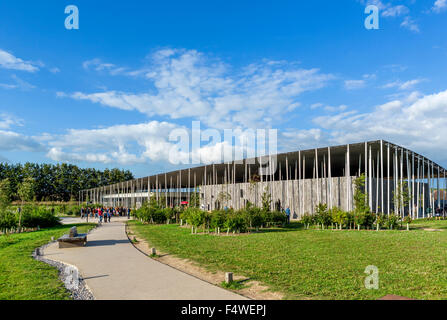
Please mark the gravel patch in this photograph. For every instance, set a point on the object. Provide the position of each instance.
(69, 275)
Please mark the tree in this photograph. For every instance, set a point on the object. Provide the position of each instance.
(5, 193)
(58, 182)
(401, 196)
(266, 199)
(360, 196)
(26, 193)
(224, 197)
(194, 200)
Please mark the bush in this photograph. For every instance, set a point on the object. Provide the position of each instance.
(235, 222)
(339, 217)
(308, 219)
(168, 213)
(322, 215)
(197, 217)
(218, 219)
(392, 221)
(7, 220)
(365, 219)
(381, 220)
(33, 216)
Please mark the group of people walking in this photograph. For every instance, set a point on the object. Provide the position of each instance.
(105, 214)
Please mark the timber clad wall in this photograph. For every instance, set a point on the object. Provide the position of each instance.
(299, 180)
(301, 196)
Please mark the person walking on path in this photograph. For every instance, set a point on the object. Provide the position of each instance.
(100, 215)
(288, 215)
(128, 213)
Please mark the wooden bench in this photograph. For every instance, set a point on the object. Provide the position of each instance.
(73, 239)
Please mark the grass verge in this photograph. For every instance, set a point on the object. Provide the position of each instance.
(320, 264)
(22, 277)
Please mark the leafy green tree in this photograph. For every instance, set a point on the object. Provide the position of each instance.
(266, 199)
(360, 196)
(194, 200)
(5, 193)
(401, 196)
(26, 193)
(224, 197)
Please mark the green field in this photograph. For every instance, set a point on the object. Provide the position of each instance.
(22, 277)
(320, 264)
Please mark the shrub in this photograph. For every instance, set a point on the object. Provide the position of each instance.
(33, 216)
(364, 219)
(381, 220)
(308, 219)
(322, 215)
(235, 222)
(218, 219)
(168, 213)
(197, 217)
(392, 221)
(7, 219)
(339, 216)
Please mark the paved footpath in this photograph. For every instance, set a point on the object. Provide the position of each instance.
(114, 270)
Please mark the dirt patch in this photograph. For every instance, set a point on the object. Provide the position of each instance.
(429, 229)
(252, 289)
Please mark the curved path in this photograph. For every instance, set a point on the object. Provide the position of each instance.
(114, 270)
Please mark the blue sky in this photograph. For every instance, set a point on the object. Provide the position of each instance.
(110, 93)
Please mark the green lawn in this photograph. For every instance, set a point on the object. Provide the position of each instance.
(22, 277)
(320, 264)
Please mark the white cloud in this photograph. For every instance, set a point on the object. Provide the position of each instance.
(18, 84)
(13, 141)
(407, 85)
(439, 6)
(99, 66)
(7, 121)
(187, 84)
(354, 84)
(414, 122)
(410, 24)
(9, 61)
(395, 11)
(123, 144)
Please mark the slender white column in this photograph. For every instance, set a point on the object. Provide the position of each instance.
(408, 182)
(367, 191)
(377, 182)
(423, 187)
(417, 187)
(388, 179)
(299, 184)
(348, 179)
(438, 190)
(316, 176)
(330, 176)
(303, 189)
(381, 177)
(287, 181)
(370, 178)
(402, 205)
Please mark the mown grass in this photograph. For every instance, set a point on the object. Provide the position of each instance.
(320, 264)
(22, 277)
